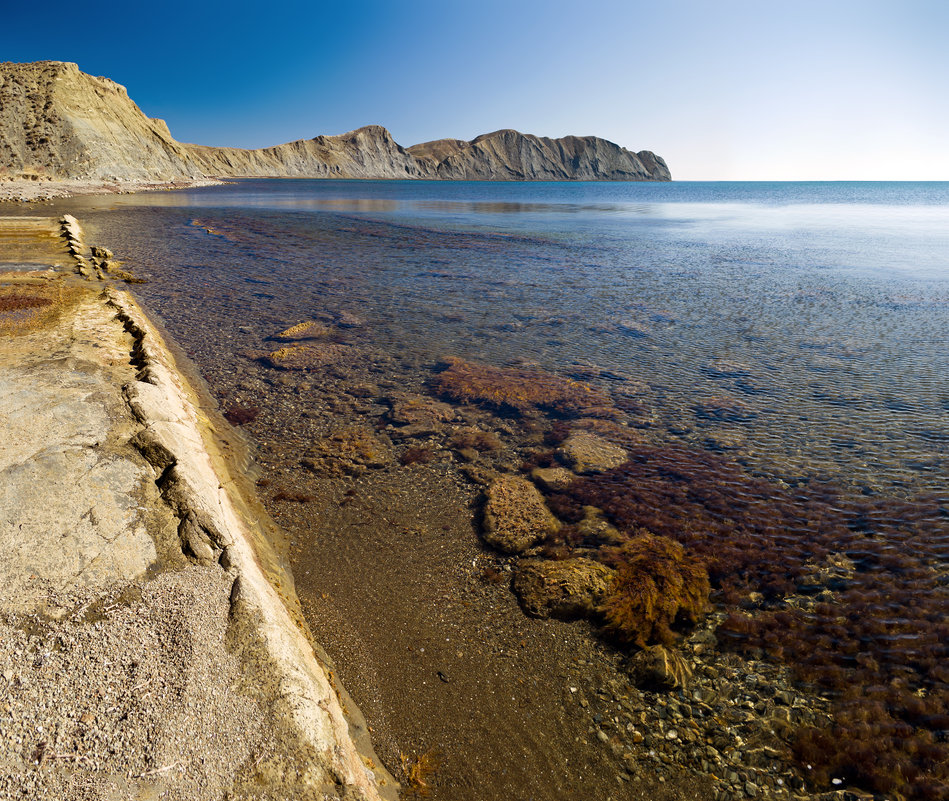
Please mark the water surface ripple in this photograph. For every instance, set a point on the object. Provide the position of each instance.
(795, 331)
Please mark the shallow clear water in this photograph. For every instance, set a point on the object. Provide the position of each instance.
(830, 302)
(776, 355)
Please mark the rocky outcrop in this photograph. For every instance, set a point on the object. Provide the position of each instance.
(513, 156)
(368, 152)
(58, 122)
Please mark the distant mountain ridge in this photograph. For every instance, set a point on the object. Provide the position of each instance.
(57, 120)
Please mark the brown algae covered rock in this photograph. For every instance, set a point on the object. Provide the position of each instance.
(515, 515)
(521, 389)
(408, 410)
(348, 451)
(586, 452)
(310, 356)
(309, 329)
(571, 588)
(552, 478)
(595, 527)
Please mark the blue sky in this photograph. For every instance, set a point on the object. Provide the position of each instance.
(723, 89)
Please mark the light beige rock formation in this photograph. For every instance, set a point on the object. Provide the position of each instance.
(57, 122)
(118, 481)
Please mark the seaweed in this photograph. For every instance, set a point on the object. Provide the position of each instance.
(10, 303)
(851, 589)
(475, 438)
(241, 415)
(656, 586)
(521, 389)
(418, 772)
(417, 454)
(293, 497)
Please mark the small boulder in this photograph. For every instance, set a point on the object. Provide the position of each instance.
(418, 410)
(588, 453)
(572, 588)
(659, 668)
(309, 329)
(596, 528)
(515, 515)
(552, 479)
(309, 357)
(347, 319)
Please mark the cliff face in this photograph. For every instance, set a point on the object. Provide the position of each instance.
(58, 121)
(368, 152)
(513, 156)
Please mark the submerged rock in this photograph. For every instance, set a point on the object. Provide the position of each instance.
(586, 452)
(309, 357)
(566, 589)
(348, 451)
(522, 389)
(724, 408)
(310, 329)
(659, 668)
(410, 410)
(515, 515)
(596, 528)
(552, 478)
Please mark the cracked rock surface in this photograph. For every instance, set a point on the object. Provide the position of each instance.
(78, 508)
(150, 642)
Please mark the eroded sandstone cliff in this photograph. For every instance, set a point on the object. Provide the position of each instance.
(59, 122)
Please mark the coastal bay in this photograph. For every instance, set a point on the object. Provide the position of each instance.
(744, 351)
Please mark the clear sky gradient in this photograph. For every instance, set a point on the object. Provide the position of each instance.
(722, 89)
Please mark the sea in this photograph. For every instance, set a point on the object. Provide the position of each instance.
(790, 338)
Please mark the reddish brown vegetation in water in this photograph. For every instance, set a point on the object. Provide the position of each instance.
(241, 415)
(521, 389)
(9, 303)
(656, 585)
(416, 455)
(880, 641)
(418, 772)
(293, 497)
(475, 438)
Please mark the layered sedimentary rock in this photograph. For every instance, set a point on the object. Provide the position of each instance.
(511, 155)
(368, 152)
(58, 122)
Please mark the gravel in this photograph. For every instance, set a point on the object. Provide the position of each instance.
(130, 695)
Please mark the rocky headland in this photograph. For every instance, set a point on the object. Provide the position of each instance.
(60, 124)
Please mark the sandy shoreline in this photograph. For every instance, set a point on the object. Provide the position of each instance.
(22, 190)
